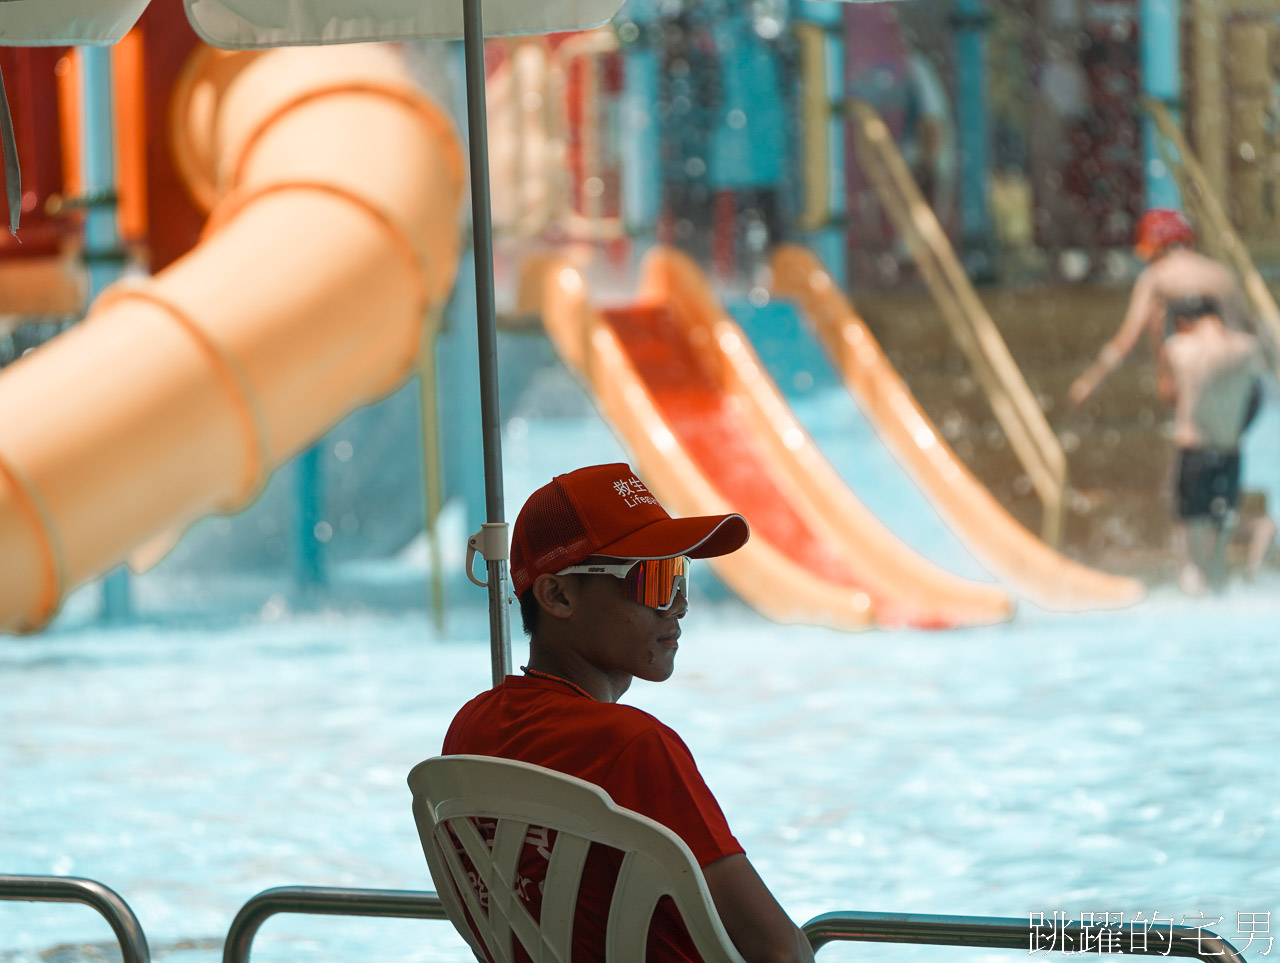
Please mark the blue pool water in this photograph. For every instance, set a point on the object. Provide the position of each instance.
(1118, 762)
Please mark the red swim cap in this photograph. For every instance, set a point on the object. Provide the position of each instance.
(1160, 227)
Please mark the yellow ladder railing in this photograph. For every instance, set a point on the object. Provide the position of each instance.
(815, 128)
(1015, 407)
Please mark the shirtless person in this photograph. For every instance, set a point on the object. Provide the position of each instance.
(600, 570)
(1174, 270)
(1209, 373)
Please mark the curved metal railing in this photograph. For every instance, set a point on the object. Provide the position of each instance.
(324, 901)
(72, 889)
(1066, 936)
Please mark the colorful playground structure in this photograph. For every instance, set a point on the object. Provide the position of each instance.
(178, 395)
(297, 273)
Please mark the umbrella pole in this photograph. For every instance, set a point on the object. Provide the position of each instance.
(486, 327)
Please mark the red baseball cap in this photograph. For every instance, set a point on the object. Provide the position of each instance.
(607, 510)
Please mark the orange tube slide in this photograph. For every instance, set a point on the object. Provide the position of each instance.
(1030, 567)
(338, 187)
(710, 433)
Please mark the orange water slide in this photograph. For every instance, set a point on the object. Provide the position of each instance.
(709, 432)
(336, 187)
(1022, 561)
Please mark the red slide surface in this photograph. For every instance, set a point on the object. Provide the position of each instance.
(704, 419)
(676, 379)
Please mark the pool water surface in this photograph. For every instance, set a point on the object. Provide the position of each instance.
(1119, 762)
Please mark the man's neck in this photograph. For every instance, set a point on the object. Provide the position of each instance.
(572, 668)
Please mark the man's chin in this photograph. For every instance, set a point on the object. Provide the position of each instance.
(660, 670)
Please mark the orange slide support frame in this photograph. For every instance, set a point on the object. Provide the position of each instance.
(709, 432)
(338, 185)
(1030, 567)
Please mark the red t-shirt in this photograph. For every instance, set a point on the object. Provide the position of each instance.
(641, 763)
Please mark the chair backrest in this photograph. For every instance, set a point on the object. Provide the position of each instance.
(451, 793)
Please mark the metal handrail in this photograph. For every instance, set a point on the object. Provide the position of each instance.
(324, 901)
(915, 928)
(1072, 936)
(73, 889)
(1012, 402)
(926, 929)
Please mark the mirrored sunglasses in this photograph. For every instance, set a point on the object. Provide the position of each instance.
(652, 582)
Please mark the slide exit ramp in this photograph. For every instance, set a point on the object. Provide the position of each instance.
(680, 385)
(1030, 568)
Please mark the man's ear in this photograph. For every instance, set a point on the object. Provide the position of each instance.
(555, 594)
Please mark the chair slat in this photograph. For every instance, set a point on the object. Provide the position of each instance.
(499, 872)
(448, 890)
(641, 882)
(504, 895)
(498, 943)
(560, 897)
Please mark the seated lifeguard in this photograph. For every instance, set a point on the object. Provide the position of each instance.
(601, 573)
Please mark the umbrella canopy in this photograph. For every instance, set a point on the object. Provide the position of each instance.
(281, 23)
(58, 23)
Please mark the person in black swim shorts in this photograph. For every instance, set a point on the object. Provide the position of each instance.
(1210, 373)
(1208, 483)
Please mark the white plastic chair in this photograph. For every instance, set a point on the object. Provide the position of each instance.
(454, 791)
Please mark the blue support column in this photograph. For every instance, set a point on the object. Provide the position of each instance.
(639, 131)
(818, 11)
(971, 20)
(308, 547)
(457, 367)
(641, 173)
(1159, 46)
(104, 258)
(833, 240)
